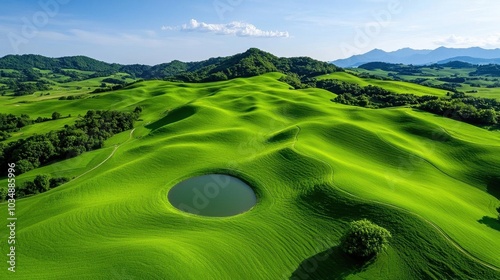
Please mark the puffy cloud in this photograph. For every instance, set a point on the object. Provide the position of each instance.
(237, 28)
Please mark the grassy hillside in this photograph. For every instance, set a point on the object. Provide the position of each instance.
(314, 164)
(394, 86)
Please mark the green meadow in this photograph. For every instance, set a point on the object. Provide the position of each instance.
(314, 165)
(394, 86)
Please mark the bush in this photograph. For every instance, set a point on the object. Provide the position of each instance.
(56, 182)
(42, 183)
(364, 239)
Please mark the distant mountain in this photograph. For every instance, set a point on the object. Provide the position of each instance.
(471, 60)
(473, 55)
(250, 63)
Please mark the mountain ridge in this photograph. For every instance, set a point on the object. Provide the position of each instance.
(475, 55)
(249, 63)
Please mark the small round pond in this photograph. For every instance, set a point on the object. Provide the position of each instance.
(214, 195)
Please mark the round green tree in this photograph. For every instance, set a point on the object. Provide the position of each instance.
(364, 239)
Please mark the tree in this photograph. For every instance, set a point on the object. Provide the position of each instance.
(29, 188)
(42, 183)
(24, 166)
(364, 239)
(56, 115)
(55, 182)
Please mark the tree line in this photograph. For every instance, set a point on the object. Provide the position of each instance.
(40, 184)
(11, 123)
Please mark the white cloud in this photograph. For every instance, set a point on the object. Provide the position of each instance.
(237, 28)
(471, 41)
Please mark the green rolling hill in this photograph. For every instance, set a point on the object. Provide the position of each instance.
(315, 166)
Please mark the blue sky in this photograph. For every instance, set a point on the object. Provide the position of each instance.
(154, 31)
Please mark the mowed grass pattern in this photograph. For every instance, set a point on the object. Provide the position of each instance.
(299, 152)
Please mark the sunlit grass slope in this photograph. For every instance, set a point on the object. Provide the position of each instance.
(300, 152)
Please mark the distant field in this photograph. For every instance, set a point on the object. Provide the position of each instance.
(61, 85)
(395, 86)
(314, 164)
(432, 75)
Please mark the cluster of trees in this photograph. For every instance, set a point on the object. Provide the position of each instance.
(293, 80)
(113, 81)
(27, 88)
(452, 79)
(22, 75)
(40, 184)
(487, 70)
(88, 133)
(11, 123)
(23, 82)
(105, 88)
(340, 87)
(72, 97)
(373, 76)
(453, 87)
(369, 96)
(459, 110)
(71, 75)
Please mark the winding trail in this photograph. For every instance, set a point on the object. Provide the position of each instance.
(106, 159)
(436, 227)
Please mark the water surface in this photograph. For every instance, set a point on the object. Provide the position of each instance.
(214, 195)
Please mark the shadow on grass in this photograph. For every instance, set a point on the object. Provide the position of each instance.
(493, 187)
(173, 116)
(491, 222)
(329, 264)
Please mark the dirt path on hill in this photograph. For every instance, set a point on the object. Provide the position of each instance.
(106, 159)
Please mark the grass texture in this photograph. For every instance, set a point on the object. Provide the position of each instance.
(314, 165)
